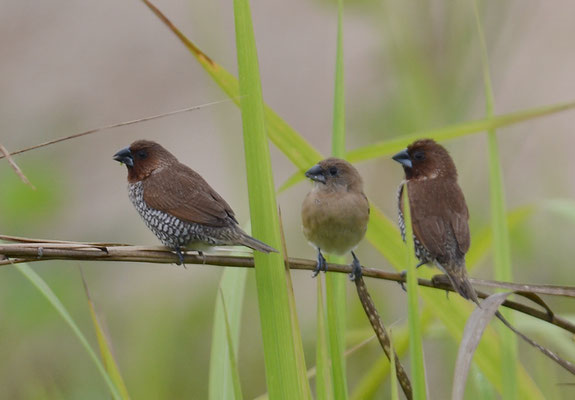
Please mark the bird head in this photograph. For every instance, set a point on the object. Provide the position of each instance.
(142, 158)
(426, 159)
(335, 173)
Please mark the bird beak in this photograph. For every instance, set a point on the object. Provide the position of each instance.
(403, 158)
(315, 173)
(125, 157)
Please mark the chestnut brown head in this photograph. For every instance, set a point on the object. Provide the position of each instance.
(426, 159)
(143, 157)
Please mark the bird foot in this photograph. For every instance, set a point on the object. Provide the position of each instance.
(356, 272)
(403, 275)
(321, 264)
(441, 281)
(180, 257)
(201, 254)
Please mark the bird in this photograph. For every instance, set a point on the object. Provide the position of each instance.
(335, 212)
(178, 205)
(439, 213)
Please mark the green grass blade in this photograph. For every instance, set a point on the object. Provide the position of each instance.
(336, 296)
(323, 384)
(392, 146)
(43, 288)
(414, 322)
(336, 310)
(561, 207)
(338, 134)
(299, 151)
(237, 388)
(282, 373)
(105, 350)
(232, 286)
(501, 247)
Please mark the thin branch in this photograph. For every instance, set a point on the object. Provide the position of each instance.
(106, 127)
(33, 250)
(382, 335)
(5, 153)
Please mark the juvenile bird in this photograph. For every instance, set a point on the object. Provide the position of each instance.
(439, 213)
(177, 204)
(335, 212)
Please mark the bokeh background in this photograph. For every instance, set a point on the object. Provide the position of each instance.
(69, 66)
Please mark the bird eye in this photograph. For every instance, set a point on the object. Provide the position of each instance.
(333, 171)
(142, 154)
(419, 155)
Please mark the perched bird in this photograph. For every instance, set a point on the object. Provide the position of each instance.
(177, 204)
(335, 212)
(439, 213)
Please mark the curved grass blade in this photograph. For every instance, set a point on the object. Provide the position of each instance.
(392, 146)
(414, 322)
(474, 329)
(299, 151)
(232, 286)
(231, 353)
(501, 248)
(323, 384)
(281, 345)
(105, 350)
(336, 296)
(43, 288)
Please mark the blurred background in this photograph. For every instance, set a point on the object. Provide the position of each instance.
(71, 66)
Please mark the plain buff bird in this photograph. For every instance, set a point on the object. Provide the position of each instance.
(335, 212)
(439, 215)
(177, 204)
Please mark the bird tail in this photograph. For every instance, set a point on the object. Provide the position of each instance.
(253, 243)
(457, 275)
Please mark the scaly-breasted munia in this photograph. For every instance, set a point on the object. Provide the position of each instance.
(439, 213)
(177, 204)
(335, 212)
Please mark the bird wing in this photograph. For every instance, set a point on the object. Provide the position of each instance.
(183, 193)
(439, 212)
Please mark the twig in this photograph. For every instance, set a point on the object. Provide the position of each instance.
(102, 128)
(5, 153)
(382, 335)
(33, 250)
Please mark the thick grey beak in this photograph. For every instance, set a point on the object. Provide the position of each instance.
(315, 173)
(125, 157)
(403, 158)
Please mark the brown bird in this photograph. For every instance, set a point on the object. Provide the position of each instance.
(177, 204)
(438, 211)
(335, 212)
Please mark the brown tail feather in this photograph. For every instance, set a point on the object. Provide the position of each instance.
(253, 243)
(457, 275)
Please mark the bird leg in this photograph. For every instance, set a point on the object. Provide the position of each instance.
(201, 254)
(442, 280)
(321, 264)
(180, 256)
(356, 271)
(404, 275)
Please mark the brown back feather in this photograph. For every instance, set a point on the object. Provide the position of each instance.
(180, 191)
(439, 212)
